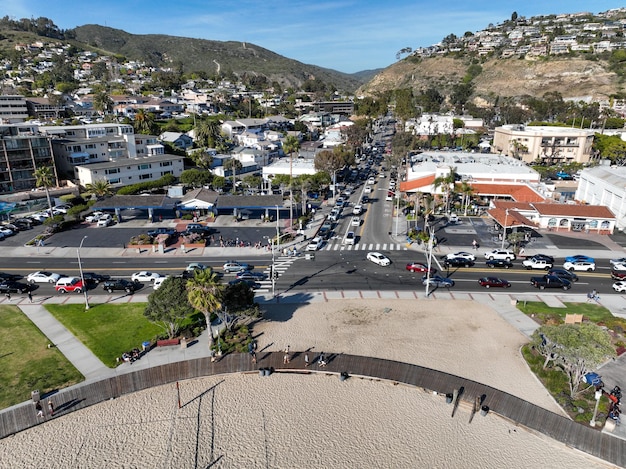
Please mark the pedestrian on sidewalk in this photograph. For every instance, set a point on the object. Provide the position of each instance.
(30, 296)
(51, 407)
(39, 409)
(8, 295)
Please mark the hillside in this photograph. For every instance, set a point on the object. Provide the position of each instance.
(210, 56)
(571, 76)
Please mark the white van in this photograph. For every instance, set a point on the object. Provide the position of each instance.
(453, 218)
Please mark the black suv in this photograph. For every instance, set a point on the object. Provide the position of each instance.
(118, 284)
(162, 231)
(457, 262)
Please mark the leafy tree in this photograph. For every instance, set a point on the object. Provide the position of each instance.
(218, 182)
(44, 177)
(252, 181)
(405, 104)
(102, 102)
(575, 348)
(168, 306)
(357, 134)
(237, 302)
(201, 158)
(196, 177)
(328, 162)
(204, 293)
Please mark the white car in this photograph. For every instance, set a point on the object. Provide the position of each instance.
(580, 265)
(378, 258)
(500, 254)
(63, 208)
(619, 286)
(158, 281)
(621, 261)
(619, 265)
(464, 255)
(43, 277)
(371, 181)
(315, 244)
(356, 221)
(105, 220)
(367, 190)
(357, 209)
(94, 217)
(6, 232)
(144, 276)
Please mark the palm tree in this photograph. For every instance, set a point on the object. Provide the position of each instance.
(143, 122)
(234, 165)
(467, 190)
(208, 132)
(44, 177)
(100, 188)
(204, 292)
(102, 102)
(291, 145)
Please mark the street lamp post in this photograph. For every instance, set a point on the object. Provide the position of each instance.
(506, 216)
(82, 277)
(598, 395)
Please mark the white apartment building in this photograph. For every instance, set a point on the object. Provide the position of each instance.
(604, 185)
(13, 109)
(127, 171)
(556, 144)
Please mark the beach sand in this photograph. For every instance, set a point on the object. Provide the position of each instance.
(287, 421)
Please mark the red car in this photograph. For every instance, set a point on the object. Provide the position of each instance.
(489, 282)
(419, 267)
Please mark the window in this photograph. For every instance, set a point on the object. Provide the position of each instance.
(112, 171)
(145, 176)
(114, 181)
(165, 163)
(145, 166)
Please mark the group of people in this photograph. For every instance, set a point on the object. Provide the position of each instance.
(593, 295)
(131, 356)
(615, 398)
(39, 408)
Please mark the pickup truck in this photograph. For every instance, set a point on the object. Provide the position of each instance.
(541, 264)
(550, 281)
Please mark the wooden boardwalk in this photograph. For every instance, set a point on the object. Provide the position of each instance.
(582, 437)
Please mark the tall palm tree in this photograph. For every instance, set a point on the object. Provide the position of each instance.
(204, 292)
(44, 177)
(290, 146)
(234, 165)
(467, 190)
(102, 102)
(208, 132)
(100, 188)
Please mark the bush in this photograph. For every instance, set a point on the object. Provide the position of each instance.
(133, 189)
(187, 216)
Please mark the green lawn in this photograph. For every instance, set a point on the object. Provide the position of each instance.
(26, 362)
(591, 311)
(107, 330)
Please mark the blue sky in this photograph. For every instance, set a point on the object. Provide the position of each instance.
(345, 35)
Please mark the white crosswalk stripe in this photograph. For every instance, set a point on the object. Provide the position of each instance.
(366, 247)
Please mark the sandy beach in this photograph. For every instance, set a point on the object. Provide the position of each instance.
(317, 420)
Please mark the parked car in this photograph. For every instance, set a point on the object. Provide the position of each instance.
(69, 284)
(438, 281)
(10, 286)
(566, 274)
(619, 266)
(499, 263)
(162, 231)
(580, 257)
(500, 254)
(544, 257)
(144, 276)
(457, 262)
(94, 217)
(63, 208)
(118, 284)
(378, 258)
(489, 282)
(234, 266)
(419, 267)
(463, 254)
(620, 260)
(580, 265)
(619, 286)
(42, 277)
(104, 220)
(6, 232)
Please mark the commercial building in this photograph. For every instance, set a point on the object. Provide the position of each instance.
(545, 143)
(604, 185)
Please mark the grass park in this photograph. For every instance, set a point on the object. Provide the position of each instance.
(553, 378)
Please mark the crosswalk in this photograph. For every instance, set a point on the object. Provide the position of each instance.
(366, 247)
(281, 265)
